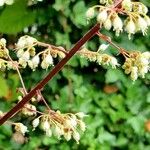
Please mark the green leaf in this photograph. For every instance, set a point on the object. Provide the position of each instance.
(16, 17)
(4, 87)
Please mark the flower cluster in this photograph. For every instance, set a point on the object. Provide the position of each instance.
(137, 64)
(136, 12)
(26, 53)
(100, 58)
(4, 62)
(7, 2)
(58, 124)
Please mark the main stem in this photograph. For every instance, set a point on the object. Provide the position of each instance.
(53, 72)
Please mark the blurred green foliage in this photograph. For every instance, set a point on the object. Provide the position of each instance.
(118, 109)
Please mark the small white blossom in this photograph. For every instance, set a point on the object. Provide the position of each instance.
(58, 131)
(26, 56)
(34, 62)
(103, 47)
(25, 41)
(134, 73)
(102, 16)
(130, 27)
(142, 25)
(9, 2)
(47, 61)
(90, 13)
(3, 41)
(108, 24)
(117, 25)
(19, 127)
(45, 125)
(81, 115)
(76, 136)
(114, 62)
(48, 132)
(127, 5)
(67, 135)
(35, 123)
(2, 2)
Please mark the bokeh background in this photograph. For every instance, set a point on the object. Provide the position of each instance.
(118, 109)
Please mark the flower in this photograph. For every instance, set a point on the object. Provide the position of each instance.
(90, 13)
(127, 5)
(134, 73)
(34, 62)
(102, 16)
(117, 25)
(19, 127)
(130, 28)
(108, 24)
(25, 41)
(47, 61)
(76, 136)
(35, 123)
(103, 47)
(142, 25)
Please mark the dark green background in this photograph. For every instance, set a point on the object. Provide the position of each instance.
(116, 120)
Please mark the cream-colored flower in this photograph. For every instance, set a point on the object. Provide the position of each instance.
(19, 127)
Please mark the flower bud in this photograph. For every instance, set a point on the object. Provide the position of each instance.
(142, 25)
(19, 127)
(118, 25)
(108, 24)
(103, 47)
(90, 13)
(76, 136)
(134, 73)
(130, 27)
(127, 5)
(35, 122)
(102, 16)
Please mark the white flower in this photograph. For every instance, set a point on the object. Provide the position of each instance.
(108, 24)
(102, 16)
(35, 122)
(143, 70)
(127, 5)
(47, 61)
(90, 13)
(118, 25)
(25, 41)
(19, 127)
(20, 52)
(9, 2)
(103, 47)
(134, 73)
(67, 135)
(26, 56)
(81, 115)
(49, 132)
(3, 41)
(34, 62)
(147, 19)
(22, 62)
(76, 136)
(45, 125)
(142, 25)
(114, 62)
(2, 2)
(58, 131)
(130, 27)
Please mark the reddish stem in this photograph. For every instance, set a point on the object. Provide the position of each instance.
(53, 72)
